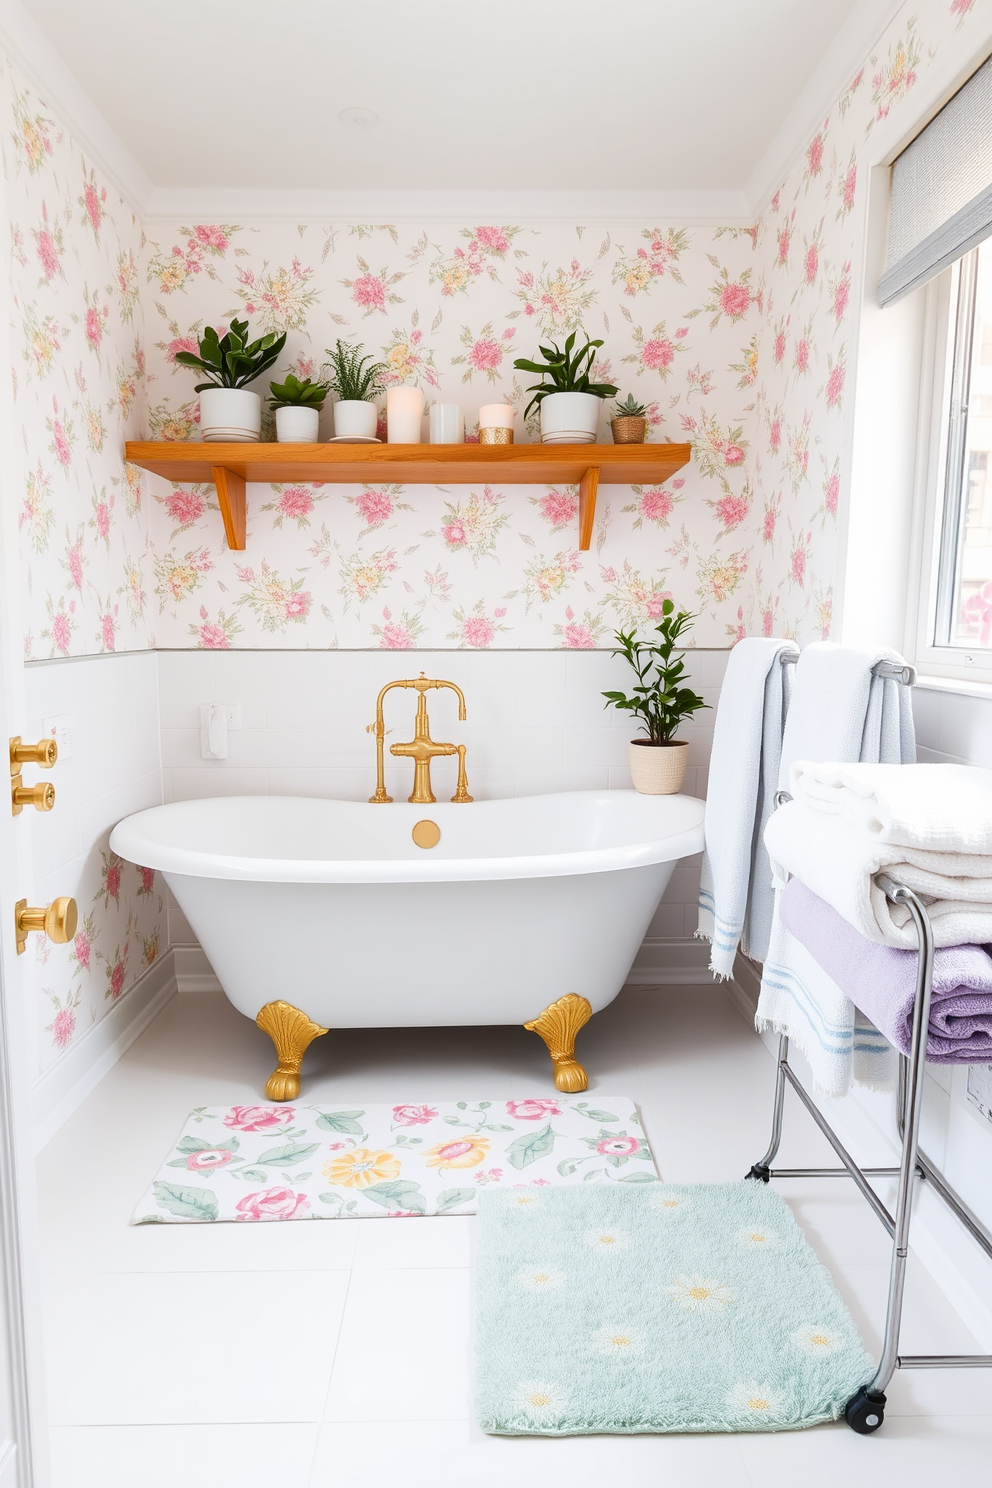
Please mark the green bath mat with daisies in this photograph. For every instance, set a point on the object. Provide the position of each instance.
(633, 1308)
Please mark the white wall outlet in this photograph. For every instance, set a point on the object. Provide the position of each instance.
(59, 727)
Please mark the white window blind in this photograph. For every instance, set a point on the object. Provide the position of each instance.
(941, 203)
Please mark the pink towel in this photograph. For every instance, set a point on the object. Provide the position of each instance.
(881, 980)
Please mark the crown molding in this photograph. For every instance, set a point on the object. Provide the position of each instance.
(867, 22)
(702, 208)
(34, 54)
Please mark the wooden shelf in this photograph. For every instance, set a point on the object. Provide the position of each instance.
(230, 466)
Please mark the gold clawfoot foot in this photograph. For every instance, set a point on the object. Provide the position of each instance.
(558, 1025)
(292, 1032)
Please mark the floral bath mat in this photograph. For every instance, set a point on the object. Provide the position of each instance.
(322, 1162)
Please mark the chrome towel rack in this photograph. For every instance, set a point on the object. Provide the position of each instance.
(891, 670)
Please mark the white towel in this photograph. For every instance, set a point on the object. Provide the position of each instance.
(840, 711)
(940, 808)
(838, 859)
(799, 999)
(743, 775)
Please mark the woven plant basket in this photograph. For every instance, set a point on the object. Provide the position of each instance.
(658, 769)
(629, 430)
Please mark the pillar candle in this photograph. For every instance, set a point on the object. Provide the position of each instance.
(496, 416)
(404, 407)
(447, 424)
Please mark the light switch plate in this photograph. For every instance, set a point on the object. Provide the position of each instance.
(233, 714)
(59, 727)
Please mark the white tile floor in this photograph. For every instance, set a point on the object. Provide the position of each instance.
(339, 1353)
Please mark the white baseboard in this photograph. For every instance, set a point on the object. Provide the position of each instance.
(193, 971)
(57, 1093)
(671, 963)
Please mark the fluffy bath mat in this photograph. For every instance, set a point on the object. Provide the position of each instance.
(661, 1308)
(325, 1162)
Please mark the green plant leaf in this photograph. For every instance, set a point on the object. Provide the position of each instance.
(397, 1194)
(568, 1165)
(287, 1155)
(595, 1115)
(186, 1203)
(451, 1198)
(341, 1121)
(529, 1147)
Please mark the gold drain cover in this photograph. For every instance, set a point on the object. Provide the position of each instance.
(427, 834)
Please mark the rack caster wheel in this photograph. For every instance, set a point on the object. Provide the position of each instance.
(761, 1171)
(865, 1411)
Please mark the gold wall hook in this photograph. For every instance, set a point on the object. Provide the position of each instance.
(57, 920)
(40, 796)
(44, 753)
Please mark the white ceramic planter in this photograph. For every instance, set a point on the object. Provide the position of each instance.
(354, 419)
(570, 418)
(297, 425)
(230, 414)
(658, 769)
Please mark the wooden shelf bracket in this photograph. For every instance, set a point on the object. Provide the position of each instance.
(588, 487)
(233, 505)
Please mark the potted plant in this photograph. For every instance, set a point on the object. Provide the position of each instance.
(357, 380)
(660, 700)
(228, 409)
(629, 422)
(570, 401)
(297, 407)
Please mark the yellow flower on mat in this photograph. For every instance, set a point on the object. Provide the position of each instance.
(466, 1152)
(362, 1166)
(817, 1340)
(758, 1401)
(699, 1294)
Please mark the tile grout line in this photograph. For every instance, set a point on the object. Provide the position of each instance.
(330, 1374)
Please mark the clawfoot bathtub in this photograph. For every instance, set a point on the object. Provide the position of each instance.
(321, 914)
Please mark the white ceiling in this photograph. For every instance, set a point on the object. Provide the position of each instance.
(481, 95)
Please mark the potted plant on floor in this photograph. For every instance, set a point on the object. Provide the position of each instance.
(297, 407)
(629, 422)
(570, 401)
(661, 701)
(229, 410)
(357, 380)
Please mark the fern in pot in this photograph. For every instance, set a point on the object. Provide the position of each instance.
(229, 410)
(661, 700)
(568, 398)
(357, 380)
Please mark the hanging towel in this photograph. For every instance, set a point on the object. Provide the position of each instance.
(838, 860)
(840, 711)
(881, 981)
(743, 776)
(799, 998)
(940, 808)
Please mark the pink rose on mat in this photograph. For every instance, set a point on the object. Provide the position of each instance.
(618, 1146)
(273, 1203)
(213, 1157)
(414, 1115)
(259, 1118)
(532, 1110)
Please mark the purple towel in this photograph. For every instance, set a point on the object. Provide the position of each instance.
(881, 980)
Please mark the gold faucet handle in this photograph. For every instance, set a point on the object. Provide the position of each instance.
(461, 788)
(57, 920)
(44, 753)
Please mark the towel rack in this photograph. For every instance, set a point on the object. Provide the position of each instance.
(865, 1410)
(889, 669)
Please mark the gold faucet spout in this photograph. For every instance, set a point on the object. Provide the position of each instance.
(421, 748)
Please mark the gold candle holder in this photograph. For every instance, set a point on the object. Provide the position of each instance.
(495, 436)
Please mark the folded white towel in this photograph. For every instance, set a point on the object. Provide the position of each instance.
(840, 711)
(838, 859)
(799, 999)
(743, 776)
(941, 808)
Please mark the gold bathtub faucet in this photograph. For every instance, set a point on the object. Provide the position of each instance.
(421, 748)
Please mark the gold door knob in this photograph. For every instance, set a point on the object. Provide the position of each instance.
(57, 920)
(44, 753)
(40, 796)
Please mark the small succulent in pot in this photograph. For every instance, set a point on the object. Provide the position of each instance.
(297, 407)
(629, 422)
(229, 410)
(357, 380)
(660, 700)
(570, 401)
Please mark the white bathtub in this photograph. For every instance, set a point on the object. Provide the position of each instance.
(331, 907)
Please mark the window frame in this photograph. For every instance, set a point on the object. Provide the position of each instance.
(942, 442)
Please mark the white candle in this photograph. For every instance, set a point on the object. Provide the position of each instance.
(404, 407)
(447, 424)
(496, 416)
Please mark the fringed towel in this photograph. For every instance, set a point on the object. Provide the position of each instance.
(735, 895)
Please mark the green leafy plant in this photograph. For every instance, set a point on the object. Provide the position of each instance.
(232, 361)
(630, 408)
(568, 373)
(659, 699)
(353, 375)
(296, 394)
